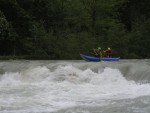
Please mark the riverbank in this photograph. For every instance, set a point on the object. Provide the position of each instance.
(25, 57)
(43, 57)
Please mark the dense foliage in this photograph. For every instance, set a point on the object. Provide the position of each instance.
(62, 29)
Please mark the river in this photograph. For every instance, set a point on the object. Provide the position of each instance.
(74, 86)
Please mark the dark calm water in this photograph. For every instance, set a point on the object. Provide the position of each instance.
(75, 86)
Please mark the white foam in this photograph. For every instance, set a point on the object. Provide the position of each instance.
(10, 78)
(67, 86)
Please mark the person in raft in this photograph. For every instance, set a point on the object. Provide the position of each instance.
(98, 52)
(108, 52)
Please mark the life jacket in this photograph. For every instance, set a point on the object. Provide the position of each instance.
(108, 51)
(99, 53)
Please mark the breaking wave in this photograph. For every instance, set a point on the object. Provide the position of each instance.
(47, 87)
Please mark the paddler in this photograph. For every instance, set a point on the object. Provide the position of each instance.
(98, 52)
(108, 52)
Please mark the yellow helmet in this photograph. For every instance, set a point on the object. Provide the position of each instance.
(108, 48)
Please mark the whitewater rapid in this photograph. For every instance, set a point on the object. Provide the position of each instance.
(73, 86)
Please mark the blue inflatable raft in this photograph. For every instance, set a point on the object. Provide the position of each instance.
(96, 59)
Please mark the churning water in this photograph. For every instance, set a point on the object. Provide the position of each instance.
(75, 87)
